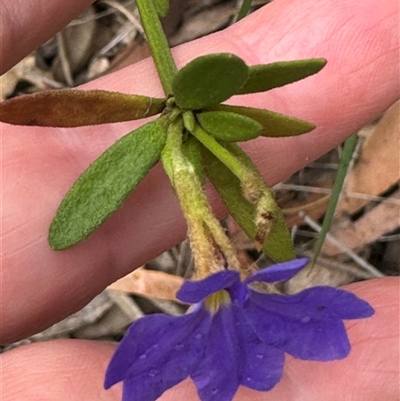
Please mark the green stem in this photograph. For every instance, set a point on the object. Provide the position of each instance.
(210, 246)
(252, 184)
(347, 155)
(244, 9)
(223, 154)
(158, 43)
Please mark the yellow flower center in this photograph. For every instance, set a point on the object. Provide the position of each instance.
(216, 300)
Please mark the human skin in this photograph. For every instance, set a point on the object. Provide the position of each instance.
(40, 286)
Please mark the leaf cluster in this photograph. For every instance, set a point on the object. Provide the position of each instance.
(210, 131)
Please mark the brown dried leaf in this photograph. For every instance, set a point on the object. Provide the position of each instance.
(149, 283)
(8, 81)
(75, 108)
(315, 206)
(371, 226)
(378, 166)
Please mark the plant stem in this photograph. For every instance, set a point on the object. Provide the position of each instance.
(244, 9)
(210, 246)
(158, 43)
(251, 183)
(347, 155)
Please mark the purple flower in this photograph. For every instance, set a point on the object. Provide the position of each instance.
(235, 335)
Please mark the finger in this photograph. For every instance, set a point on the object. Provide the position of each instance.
(27, 24)
(41, 286)
(74, 369)
(58, 370)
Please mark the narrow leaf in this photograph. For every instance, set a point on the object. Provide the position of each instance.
(162, 7)
(75, 108)
(209, 80)
(347, 155)
(244, 9)
(264, 77)
(228, 126)
(278, 244)
(275, 125)
(102, 188)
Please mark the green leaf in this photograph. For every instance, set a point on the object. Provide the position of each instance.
(347, 155)
(278, 244)
(274, 125)
(75, 108)
(209, 80)
(162, 7)
(189, 121)
(244, 9)
(191, 150)
(264, 77)
(102, 188)
(228, 126)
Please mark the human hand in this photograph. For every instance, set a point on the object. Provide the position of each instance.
(41, 286)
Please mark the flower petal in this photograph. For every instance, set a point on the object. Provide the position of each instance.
(196, 291)
(306, 325)
(235, 356)
(278, 272)
(263, 364)
(335, 302)
(141, 388)
(216, 377)
(159, 351)
(325, 342)
(239, 293)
